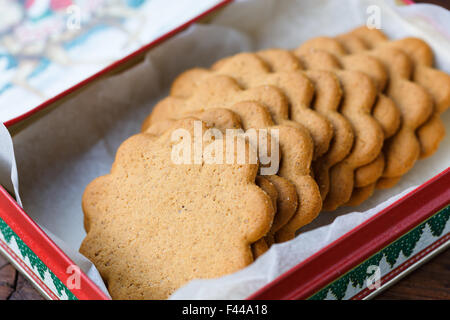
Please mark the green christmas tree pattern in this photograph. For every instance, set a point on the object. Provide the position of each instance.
(405, 244)
(437, 226)
(356, 277)
(35, 262)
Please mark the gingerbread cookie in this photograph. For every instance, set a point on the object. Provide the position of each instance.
(280, 190)
(413, 101)
(287, 203)
(251, 115)
(436, 82)
(386, 183)
(296, 149)
(358, 106)
(328, 53)
(384, 110)
(284, 200)
(364, 176)
(221, 92)
(327, 99)
(368, 136)
(153, 225)
(284, 194)
(361, 194)
(219, 118)
(250, 71)
(364, 181)
(296, 146)
(260, 246)
(373, 68)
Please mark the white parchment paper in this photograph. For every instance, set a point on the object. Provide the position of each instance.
(62, 152)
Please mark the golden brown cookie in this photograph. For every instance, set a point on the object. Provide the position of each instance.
(286, 195)
(287, 203)
(368, 136)
(250, 71)
(367, 183)
(296, 146)
(388, 116)
(329, 53)
(296, 151)
(414, 103)
(436, 82)
(384, 110)
(359, 94)
(219, 118)
(261, 246)
(153, 225)
(370, 66)
(224, 119)
(395, 64)
(327, 99)
(221, 92)
(386, 183)
(360, 194)
(286, 200)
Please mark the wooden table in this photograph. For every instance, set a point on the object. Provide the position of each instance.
(431, 281)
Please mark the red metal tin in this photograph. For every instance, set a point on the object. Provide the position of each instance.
(302, 281)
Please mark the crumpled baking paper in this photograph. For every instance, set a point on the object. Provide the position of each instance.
(59, 154)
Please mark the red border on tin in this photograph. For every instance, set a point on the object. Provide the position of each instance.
(405, 265)
(319, 270)
(28, 270)
(38, 241)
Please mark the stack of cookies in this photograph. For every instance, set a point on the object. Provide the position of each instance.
(351, 114)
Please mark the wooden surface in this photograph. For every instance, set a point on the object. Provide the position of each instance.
(13, 286)
(430, 281)
(442, 3)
